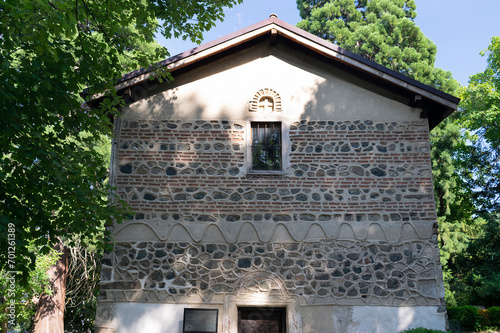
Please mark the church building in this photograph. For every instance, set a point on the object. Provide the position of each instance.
(279, 184)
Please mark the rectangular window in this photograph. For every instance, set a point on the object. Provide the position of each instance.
(266, 146)
(200, 320)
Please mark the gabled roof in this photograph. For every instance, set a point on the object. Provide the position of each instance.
(436, 104)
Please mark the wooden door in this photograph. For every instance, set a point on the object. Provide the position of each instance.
(261, 320)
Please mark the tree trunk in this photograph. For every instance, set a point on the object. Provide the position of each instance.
(49, 316)
(4, 324)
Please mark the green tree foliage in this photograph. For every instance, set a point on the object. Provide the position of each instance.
(453, 196)
(82, 287)
(380, 30)
(52, 172)
(468, 316)
(467, 183)
(52, 184)
(480, 114)
(422, 330)
(84, 263)
(476, 278)
(25, 296)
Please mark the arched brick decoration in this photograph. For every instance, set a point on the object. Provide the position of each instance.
(260, 282)
(263, 93)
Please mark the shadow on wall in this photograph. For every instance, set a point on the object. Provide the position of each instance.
(314, 90)
(340, 98)
(406, 318)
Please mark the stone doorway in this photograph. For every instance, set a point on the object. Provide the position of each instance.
(261, 320)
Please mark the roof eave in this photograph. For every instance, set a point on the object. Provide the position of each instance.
(273, 26)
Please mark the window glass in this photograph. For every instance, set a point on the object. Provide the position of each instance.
(266, 146)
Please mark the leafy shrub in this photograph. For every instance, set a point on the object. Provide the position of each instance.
(494, 316)
(468, 316)
(485, 318)
(421, 330)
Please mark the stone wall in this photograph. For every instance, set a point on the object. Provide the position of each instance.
(334, 168)
(352, 222)
(324, 272)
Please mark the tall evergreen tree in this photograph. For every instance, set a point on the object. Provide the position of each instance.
(380, 30)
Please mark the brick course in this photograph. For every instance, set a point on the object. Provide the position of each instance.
(362, 174)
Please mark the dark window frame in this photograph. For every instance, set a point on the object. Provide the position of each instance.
(190, 312)
(266, 147)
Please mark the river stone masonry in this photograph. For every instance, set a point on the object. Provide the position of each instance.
(325, 272)
(186, 180)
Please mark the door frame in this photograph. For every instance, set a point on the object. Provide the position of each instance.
(289, 303)
(264, 310)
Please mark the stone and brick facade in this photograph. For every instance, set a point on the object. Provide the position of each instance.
(347, 229)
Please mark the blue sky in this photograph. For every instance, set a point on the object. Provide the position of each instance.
(459, 28)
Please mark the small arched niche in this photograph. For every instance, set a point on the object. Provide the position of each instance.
(266, 101)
